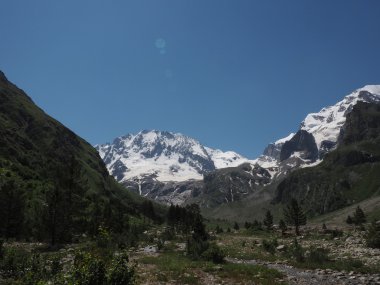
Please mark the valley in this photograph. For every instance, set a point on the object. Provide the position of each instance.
(102, 216)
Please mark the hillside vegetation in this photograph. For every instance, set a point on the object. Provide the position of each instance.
(53, 184)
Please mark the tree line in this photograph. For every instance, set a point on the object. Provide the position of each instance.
(59, 210)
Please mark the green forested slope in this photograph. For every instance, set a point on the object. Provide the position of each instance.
(53, 184)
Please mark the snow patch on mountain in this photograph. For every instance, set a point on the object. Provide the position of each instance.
(285, 139)
(223, 159)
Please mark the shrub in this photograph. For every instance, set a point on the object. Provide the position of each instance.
(103, 237)
(270, 246)
(218, 230)
(318, 255)
(88, 270)
(168, 234)
(36, 270)
(55, 266)
(296, 251)
(14, 263)
(214, 253)
(119, 272)
(334, 233)
(372, 236)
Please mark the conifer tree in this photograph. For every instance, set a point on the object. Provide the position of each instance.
(282, 226)
(359, 216)
(349, 220)
(294, 215)
(268, 221)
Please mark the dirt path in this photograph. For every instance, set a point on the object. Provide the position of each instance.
(309, 277)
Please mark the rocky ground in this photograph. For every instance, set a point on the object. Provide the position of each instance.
(319, 276)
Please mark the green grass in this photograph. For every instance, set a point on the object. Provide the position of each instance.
(175, 266)
(243, 272)
(349, 264)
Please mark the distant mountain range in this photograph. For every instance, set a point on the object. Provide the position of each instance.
(173, 168)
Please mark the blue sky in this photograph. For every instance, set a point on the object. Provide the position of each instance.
(233, 74)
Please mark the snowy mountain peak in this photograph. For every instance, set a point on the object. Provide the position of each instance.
(374, 89)
(325, 125)
(164, 156)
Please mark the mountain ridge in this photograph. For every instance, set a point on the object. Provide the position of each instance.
(167, 156)
(152, 167)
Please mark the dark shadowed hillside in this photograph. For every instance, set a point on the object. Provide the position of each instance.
(53, 184)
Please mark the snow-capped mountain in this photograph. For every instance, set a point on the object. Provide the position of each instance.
(325, 125)
(164, 156)
(318, 134)
(173, 168)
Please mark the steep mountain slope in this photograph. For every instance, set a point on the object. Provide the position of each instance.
(41, 159)
(348, 174)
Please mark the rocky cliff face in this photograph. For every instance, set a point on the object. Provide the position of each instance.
(302, 144)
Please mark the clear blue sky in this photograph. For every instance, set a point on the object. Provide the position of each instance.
(234, 74)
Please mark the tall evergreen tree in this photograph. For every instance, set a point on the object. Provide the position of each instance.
(282, 226)
(294, 215)
(359, 216)
(268, 220)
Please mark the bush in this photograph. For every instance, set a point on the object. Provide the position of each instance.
(270, 246)
(119, 272)
(88, 270)
(37, 270)
(55, 266)
(372, 236)
(103, 237)
(334, 233)
(296, 251)
(218, 230)
(168, 234)
(214, 253)
(14, 263)
(318, 255)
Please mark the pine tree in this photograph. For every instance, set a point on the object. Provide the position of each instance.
(294, 215)
(268, 221)
(282, 226)
(359, 216)
(349, 220)
(236, 226)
